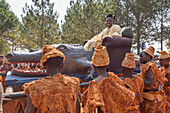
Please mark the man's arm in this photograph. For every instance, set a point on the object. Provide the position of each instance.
(30, 107)
(149, 82)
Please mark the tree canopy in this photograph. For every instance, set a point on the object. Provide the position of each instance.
(84, 19)
(8, 20)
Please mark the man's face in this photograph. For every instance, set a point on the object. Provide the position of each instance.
(144, 57)
(7, 67)
(109, 21)
(164, 62)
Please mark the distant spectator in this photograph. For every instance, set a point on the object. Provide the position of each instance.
(7, 66)
(1, 62)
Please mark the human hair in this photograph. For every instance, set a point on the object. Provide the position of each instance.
(1, 56)
(110, 15)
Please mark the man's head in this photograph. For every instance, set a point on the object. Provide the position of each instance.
(164, 58)
(128, 64)
(1, 60)
(145, 57)
(6, 65)
(100, 58)
(147, 54)
(109, 20)
(55, 62)
(52, 59)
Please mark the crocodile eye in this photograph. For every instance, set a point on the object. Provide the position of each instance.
(62, 47)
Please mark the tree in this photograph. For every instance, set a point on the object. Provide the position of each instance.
(41, 23)
(4, 47)
(12, 38)
(168, 44)
(162, 29)
(8, 21)
(7, 17)
(141, 16)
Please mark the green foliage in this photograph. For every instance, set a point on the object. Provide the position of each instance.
(7, 17)
(4, 47)
(40, 25)
(8, 21)
(12, 38)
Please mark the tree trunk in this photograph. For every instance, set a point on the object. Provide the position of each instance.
(41, 44)
(161, 26)
(138, 35)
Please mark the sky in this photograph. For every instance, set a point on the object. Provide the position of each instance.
(60, 6)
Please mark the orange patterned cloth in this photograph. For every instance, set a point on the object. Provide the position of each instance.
(136, 85)
(165, 70)
(155, 102)
(158, 77)
(54, 95)
(109, 94)
(15, 106)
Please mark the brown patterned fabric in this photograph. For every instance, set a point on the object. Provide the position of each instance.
(158, 77)
(84, 88)
(155, 102)
(54, 95)
(15, 106)
(167, 90)
(110, 94)
(136, 85)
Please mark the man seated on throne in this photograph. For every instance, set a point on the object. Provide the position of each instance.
(110, 31)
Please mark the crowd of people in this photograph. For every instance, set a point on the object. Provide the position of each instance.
(148, 92)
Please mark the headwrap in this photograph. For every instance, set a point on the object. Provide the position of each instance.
(163, 55)
(49, 51)
(150, 50)
(100, 56)
(129, 61)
